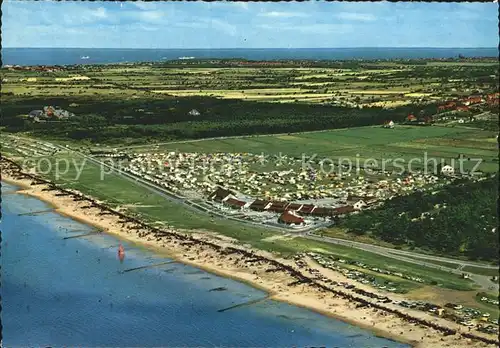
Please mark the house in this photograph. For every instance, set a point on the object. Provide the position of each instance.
(323, 211)
(389, 124)
(194, 112)
(260, 205)
(50, 112)
(278, 207)
(344, 210)
(289, 217)
(35, 113)
(447, 170)
(307, 209)
(447, 106)
(473, 100)
(234, 203)
(359, 204)
(220, 194)
(462, 108)
(355, 198)
(294, 206)
(493, 98)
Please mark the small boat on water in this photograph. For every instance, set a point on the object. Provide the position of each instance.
(84, 57)
(183, 58)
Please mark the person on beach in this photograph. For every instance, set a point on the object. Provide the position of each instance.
(121, 252)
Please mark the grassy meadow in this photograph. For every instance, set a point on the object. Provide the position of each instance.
(139, 201)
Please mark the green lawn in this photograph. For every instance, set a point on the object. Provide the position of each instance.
(484, 271)
(404, 143)
(118, 191)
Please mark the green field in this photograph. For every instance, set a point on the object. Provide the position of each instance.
(360, 144)
(484, 271)
(156, 100)
(153, 208)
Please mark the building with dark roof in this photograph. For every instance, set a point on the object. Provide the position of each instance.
(323, 211)
(294, 206)
(278, 207)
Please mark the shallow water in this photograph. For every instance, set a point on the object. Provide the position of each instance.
(69, 292)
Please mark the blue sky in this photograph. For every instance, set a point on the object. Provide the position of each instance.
(248, 25)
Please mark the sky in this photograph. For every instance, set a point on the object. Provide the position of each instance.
(312, 24)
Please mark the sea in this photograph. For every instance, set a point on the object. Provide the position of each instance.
(74, 292)
(71, 56)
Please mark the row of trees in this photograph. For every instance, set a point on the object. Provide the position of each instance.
(458, 220)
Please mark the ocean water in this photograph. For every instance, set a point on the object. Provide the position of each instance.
(70, 56)
(58, 292)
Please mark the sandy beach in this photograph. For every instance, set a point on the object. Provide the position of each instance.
(224, 256)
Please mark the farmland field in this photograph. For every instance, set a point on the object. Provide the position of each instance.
(137, 200)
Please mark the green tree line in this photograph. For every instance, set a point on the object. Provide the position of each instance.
(169, 119)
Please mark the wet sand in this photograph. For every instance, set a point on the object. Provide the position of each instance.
(224, 256)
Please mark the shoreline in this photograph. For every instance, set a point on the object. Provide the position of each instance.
(392, 328)
(271, 295)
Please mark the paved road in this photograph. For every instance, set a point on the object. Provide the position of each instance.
(379, 249)
(225, 138)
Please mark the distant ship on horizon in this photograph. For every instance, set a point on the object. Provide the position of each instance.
(186, 58)
(84, 57)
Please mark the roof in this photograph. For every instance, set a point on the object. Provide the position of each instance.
(36, 113)
(355, 198)
(220, 194)
(259, 204)
(294, 206)
(278, 206)
(475, 99)
(235, 202)
(323, 211)
(289, 217)
(307, 208)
